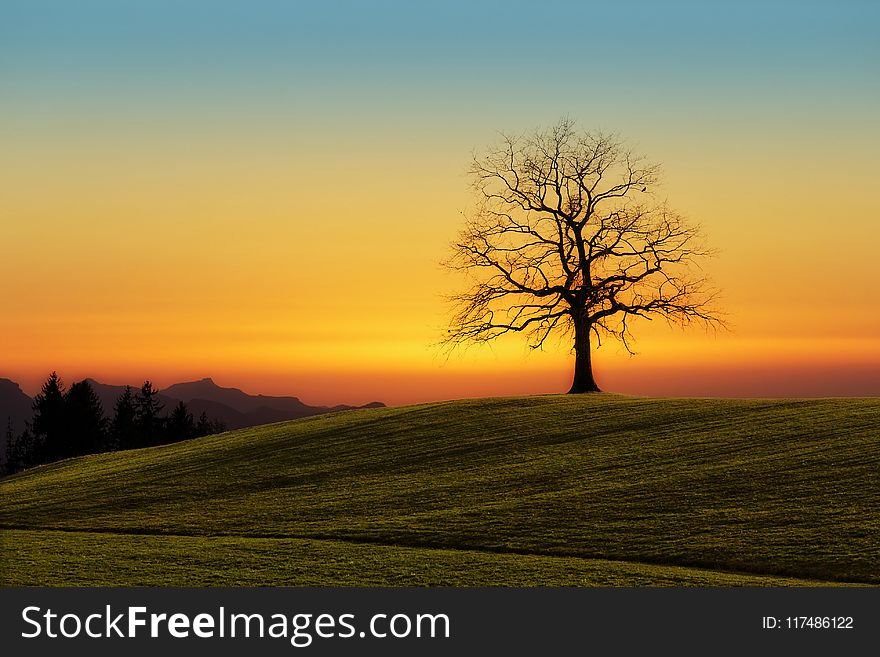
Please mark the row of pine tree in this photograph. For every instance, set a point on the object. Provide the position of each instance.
(72, 423)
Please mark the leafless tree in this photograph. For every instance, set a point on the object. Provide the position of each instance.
(568, 235)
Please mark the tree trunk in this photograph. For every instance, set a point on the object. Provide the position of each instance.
(583, 364)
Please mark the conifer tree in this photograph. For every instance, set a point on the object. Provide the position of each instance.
(206, 426)
(86, 426)
(180, 424)
(149, 422)
(123, 427)
(48, 424)
(9, 464)
(22, 451)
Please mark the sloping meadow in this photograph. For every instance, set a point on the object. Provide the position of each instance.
(781, 487)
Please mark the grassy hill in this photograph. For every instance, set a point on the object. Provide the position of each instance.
(590, 490)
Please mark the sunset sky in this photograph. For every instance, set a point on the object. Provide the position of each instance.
(261, 191)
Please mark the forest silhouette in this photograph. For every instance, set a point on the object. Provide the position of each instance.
(72, 422)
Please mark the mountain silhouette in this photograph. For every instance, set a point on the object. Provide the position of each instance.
(15, 407)
(233, 407)
(237, 399)
(246, 410)
(108, 394)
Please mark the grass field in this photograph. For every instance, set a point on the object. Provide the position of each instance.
(587, 490)
(98, 559)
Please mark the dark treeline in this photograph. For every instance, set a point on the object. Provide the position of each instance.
(72, 423)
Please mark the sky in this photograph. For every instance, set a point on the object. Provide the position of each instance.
(262, 191)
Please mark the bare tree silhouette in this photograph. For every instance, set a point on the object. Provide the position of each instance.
(568, 235)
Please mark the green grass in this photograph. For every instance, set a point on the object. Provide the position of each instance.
(497, 490)
(97, 559)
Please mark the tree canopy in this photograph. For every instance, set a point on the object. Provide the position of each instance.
(569, 235)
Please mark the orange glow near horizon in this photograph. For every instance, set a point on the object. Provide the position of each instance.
(241, 278)
(278, 227)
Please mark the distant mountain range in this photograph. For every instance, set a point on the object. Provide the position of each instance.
(15, 409)
(235, 408)
(15, 406)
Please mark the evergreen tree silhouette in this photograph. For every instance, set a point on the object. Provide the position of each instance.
(85, 422)
(48, 424)
(206, 426)
(72, 423)
(180, 424)
(22, 452)
(149, 422)
(9, 464)
(124, 428)
(203, 426)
